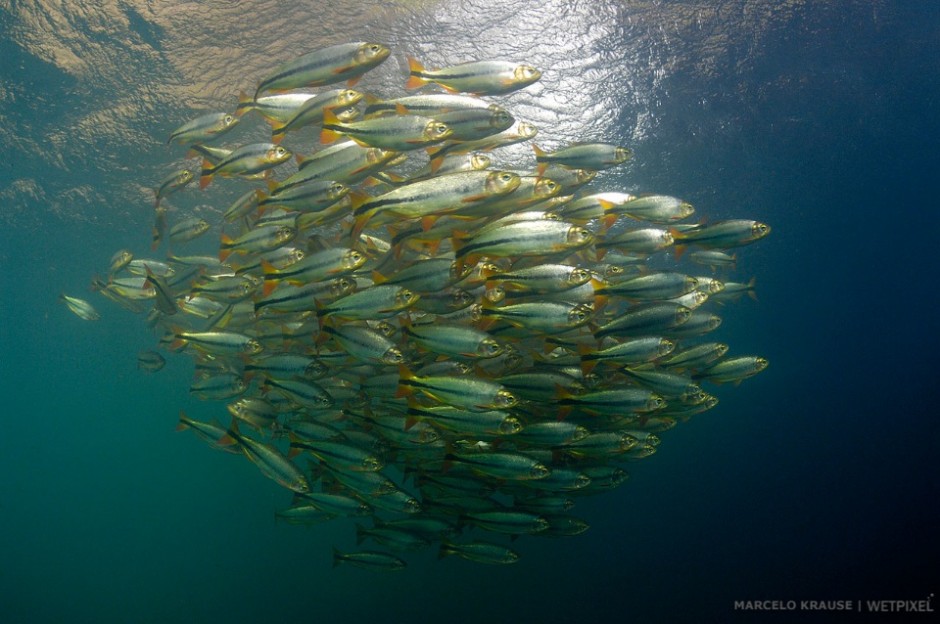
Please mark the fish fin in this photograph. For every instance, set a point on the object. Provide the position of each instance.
(750, 288)
(244, 101)
(428, 222)
(205, 177)
(404, 375)
(269, 286)
(183, 425)
(225, 253)
(328, 135)
(678, 250)
(352, 81)
(378, 278)
(414, 68)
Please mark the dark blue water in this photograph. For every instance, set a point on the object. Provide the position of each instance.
(816, 480)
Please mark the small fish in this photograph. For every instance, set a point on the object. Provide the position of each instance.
(188, 229)
(272, 463)
(203, 128)
(476, 77)
(591, 156)
(81, 308)
(173, 183)
(150, 361)
(265, 238)
(326, 66)
(210, 432)
(721, 234)
(247, 160)
(402, 132)
(471, 393)
(733, 370)
(340, 101)
(369, 560)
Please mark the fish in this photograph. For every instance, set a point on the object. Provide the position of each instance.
(584, 155)
(247, 160)
(80, 308)
(272, 463)
(402, 132)
(203, 128)
(150, 361)
(369, 560)
(172, 184)
(325, 66)
(476, 77)
(340, 101)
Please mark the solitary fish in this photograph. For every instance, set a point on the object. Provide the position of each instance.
(81, 308)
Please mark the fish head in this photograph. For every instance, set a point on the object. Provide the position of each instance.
(578, 277)
(253, 347)
(545, 188)
(580, 314)
(539, 471)
(500, 119)
(579, 433)
(346, 114)
(348, 97)
(510, 426)
(525, 74)
(276, 154)
(478, 162)
(406, 298)
(622, 155)
(655, 402)
(760, 364)
(352, 260)
(685, 209)
(579, 236)
(371, 54)
(393, 357)
(488, 348)
(627, 441)
(682, 314)
(502, 182)
(495, 294)
(666, 347)
(504, 399)
(437, 131)
(337, 191)
(759, 230)
(525, 130)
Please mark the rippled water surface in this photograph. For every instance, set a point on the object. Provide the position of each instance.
(815, 480)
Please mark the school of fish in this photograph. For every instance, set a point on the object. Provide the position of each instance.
(397, 331)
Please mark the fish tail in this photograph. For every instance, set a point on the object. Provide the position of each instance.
(245, 104)
(328, 135)
(415, 69)
(205, 178)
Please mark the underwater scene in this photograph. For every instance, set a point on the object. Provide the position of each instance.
(516, 311)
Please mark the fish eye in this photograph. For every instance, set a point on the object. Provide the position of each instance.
(280, 151)
(228, 119)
